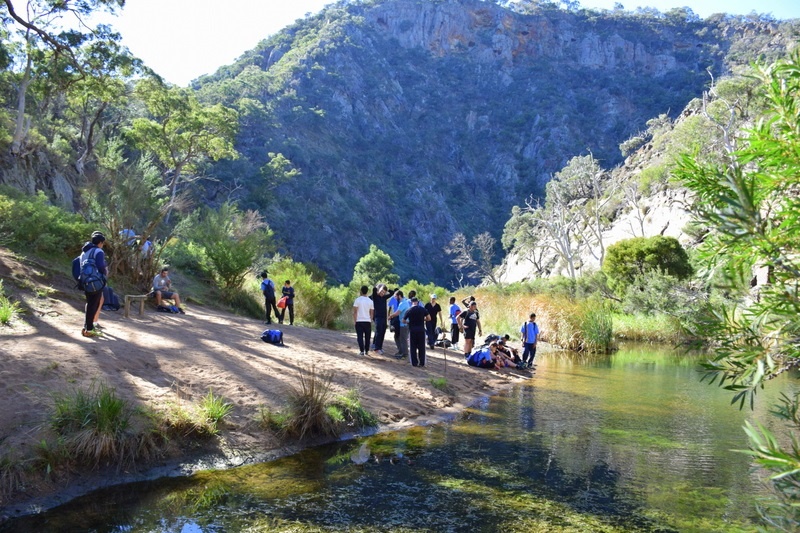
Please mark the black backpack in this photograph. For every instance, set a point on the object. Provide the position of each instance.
(110, 299)
(89, 277)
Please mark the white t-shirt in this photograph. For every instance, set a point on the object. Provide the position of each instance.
(363, 306)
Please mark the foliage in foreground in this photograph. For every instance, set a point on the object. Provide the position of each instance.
(95, 426)
(313, 411)
(753, 202)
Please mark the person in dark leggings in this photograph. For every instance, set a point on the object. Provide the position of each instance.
(380, 294)
(416, 318)
(288, 291)
(94, 299)
(363, 314)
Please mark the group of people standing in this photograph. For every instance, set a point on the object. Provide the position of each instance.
(416, 326)
(271, 302)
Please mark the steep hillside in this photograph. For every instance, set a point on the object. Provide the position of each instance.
(411, 121)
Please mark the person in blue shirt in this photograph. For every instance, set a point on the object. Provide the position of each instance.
(401, 337)
(455, 310)
(268, 290)
(530, 335)
(484, 358)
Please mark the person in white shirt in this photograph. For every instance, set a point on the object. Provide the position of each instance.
(363, 314)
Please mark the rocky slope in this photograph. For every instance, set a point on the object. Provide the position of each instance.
(451, 110)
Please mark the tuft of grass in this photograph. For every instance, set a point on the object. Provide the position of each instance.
(352, 412)
(95, 426)
(307, 414)
(215, 408)
(201, 419)
(12, 475)
(272, 420)
(441, 384)
(8, 309)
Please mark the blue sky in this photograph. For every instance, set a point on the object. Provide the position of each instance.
(184, 39)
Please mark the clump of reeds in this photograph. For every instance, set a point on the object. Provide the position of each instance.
(94, 426)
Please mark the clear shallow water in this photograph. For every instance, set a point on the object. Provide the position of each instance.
(632, 442)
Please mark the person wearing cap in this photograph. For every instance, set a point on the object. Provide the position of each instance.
(469, 322)
(435, 317)
(268, 290)
(94, 301)
(162, 288)
(416, 317)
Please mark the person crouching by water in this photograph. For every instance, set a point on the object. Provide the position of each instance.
(485, 357)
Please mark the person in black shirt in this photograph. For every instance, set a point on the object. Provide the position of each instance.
(435, 314)
(469, 321)
(416, 317)
(380, 295)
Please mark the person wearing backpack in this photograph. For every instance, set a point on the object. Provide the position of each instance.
(93, 275)
(268, 290)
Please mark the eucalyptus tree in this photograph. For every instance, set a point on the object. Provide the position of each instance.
(180, 132)
(42, 44)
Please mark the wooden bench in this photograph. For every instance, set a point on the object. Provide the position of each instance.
(141, 298)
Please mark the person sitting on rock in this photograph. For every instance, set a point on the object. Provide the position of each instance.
(162, 288)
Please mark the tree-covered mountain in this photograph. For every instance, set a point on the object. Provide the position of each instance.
(411, 121)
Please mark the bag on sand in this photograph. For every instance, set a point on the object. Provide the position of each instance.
(168, 309)
(110, 299)
(273, 336)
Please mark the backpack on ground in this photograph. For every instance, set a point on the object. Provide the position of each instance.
(273, 336)
(110, 299)
(89, 277)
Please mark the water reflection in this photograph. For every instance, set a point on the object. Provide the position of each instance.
(631, 442)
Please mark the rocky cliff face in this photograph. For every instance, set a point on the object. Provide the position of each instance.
(452, 111)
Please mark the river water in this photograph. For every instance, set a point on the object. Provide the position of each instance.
(629, 442)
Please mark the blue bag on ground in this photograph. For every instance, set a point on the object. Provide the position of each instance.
(273, 336)
(110, 299)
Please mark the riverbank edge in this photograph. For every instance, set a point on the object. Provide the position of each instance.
(222, 458)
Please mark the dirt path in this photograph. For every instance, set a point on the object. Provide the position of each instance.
(158, 359)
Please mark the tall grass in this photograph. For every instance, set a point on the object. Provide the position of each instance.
(569, 323)
(95, 426)
(307, 406)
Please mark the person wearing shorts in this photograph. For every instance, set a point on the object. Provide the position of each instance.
(162, 289)
(469, 323)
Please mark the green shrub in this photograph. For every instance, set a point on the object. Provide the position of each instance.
(33, 224)
(232, 241)
(632, 259)
(215, 408)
